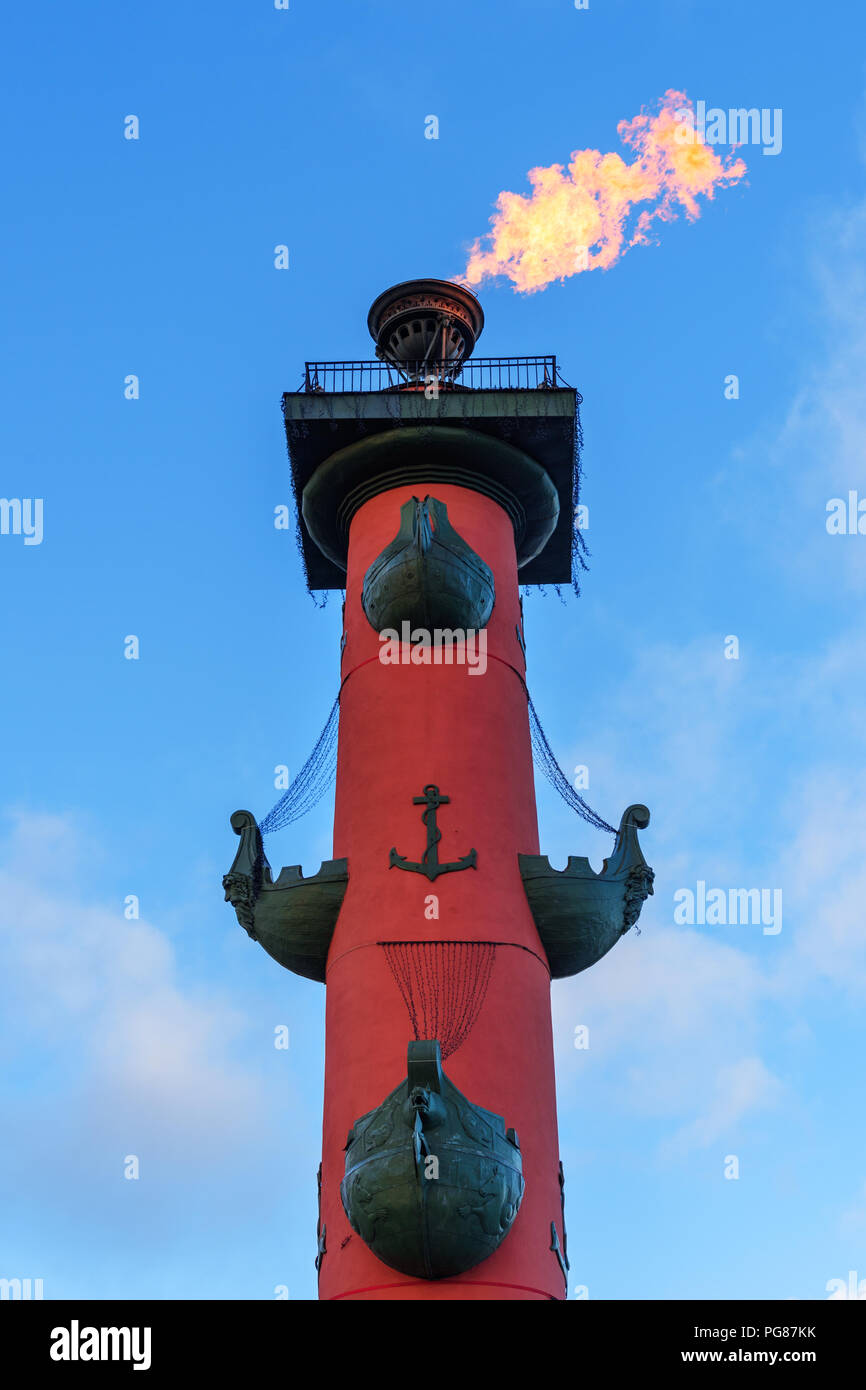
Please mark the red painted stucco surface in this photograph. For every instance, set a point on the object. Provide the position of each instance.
(402, 727)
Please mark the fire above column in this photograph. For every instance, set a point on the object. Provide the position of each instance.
(429, 486)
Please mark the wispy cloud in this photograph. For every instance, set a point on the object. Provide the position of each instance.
(679, 1016)
(83, 983)
(778, 482)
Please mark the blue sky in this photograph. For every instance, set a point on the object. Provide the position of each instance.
(707, 519)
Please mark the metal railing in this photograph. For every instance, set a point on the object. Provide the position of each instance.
(478, 374)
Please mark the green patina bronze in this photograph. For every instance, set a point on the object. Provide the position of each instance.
(294, 918)
(428, 576)
(433, 1183)
(331, 486)
(581, 914)
(431, 800)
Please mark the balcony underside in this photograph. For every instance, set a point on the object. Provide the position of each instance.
(539, 422)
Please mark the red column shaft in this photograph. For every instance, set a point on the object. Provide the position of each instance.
(402, 727)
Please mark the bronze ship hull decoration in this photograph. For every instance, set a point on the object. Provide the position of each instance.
(428, 575)
(433, 1183)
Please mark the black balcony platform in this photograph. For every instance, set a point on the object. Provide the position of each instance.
(518, 401)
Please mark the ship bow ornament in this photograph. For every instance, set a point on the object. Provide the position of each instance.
(428, 576)
(581, 914)
(293, 919)
(433, 1183)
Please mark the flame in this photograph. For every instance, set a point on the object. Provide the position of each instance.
(575, 219)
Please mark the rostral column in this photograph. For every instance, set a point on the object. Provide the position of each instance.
(430, 488)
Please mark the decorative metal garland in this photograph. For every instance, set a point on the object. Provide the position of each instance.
(443, 985)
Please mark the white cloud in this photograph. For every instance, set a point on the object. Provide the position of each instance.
(825, 873)
(738, 1090)
(673, 1018)
(149, 1055)
(778, 484)
(853, 1220)
(687, 1007)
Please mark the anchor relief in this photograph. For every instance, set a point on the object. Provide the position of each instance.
(430, 866)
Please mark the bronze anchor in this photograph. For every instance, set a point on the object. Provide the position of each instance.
(430, 865)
